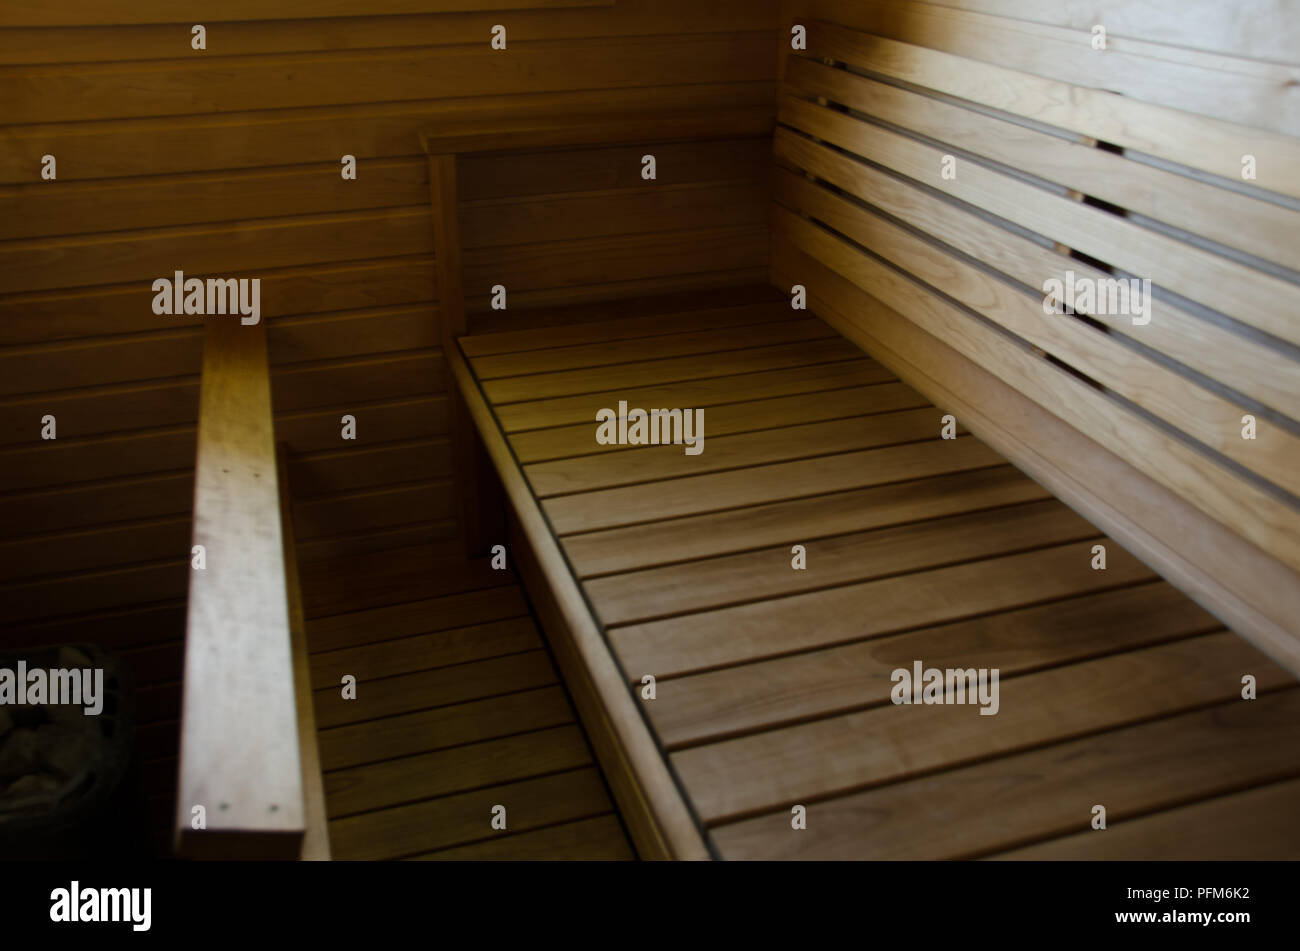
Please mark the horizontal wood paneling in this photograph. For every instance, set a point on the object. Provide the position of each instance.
(290, 81)
(254, 139)
(158, 11)
(496, 176)
(117, 308)
(592, 214)
(350, 31)
(225, 162)
(240, 247)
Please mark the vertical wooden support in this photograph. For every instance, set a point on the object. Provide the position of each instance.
(481, 505)
(315, 839)
(445, 195)
(239, 757)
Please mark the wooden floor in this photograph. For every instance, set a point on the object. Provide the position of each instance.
(458, 709)
(773, 683)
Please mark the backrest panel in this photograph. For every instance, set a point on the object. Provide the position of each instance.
(1128, 266)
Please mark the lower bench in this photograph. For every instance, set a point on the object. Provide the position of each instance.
(752, 631)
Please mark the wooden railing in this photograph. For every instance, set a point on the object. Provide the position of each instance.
(247, 733)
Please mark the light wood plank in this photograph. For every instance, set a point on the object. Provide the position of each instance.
(240, 752)
(715, 491)
(759, 385)
(808, 621)
(752, 774)
(1252, 825)
(644, 464)
(1200, 275)
(968, 812)
(596, 554)
(1250, 28)
(735, 700)
(1208, 144)
(1142, 68)
(766, 574)
(1242, 363)
(816, 348)
(725, 420)
(1167, 196)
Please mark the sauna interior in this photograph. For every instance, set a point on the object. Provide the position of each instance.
(338, 339)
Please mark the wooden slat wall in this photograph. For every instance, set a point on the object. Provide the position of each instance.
(581, 224)
(167, 159)
(225, 163)
(1123, 162)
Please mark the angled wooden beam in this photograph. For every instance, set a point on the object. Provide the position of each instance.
(239, 757)
(316, 838)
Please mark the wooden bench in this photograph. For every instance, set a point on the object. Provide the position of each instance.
(828, 536)
(1008, 182)
(773, 682)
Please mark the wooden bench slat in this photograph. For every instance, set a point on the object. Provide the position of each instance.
(1050, 791)
(760, 772)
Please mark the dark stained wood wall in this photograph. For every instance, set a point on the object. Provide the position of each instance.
(225, 162)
